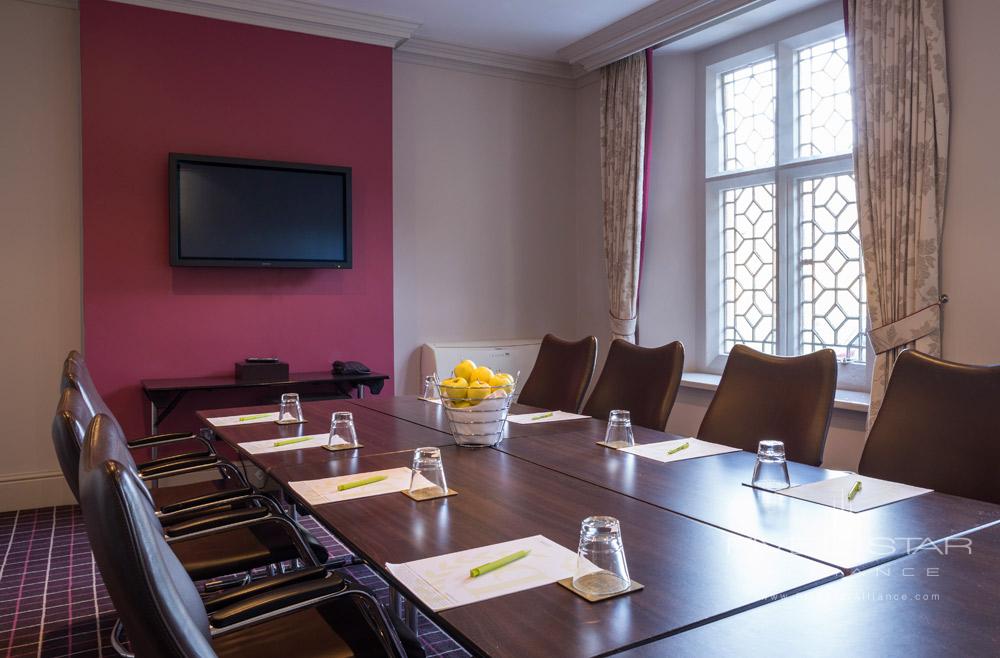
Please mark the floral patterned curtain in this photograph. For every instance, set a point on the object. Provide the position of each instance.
(623, 128)
(901, 113)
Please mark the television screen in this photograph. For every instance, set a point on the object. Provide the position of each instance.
(231, 212)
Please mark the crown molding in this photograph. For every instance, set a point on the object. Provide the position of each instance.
(661, 21)
(487, 62)
(61, 4)
(296, 16)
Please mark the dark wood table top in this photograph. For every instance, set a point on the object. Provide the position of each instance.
(228, 381)
(377, 432)
(432, 415)
(942, 601)
(692, 572)
(710, 489)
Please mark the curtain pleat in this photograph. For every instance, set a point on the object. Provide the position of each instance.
(623, 129)
(901, 111)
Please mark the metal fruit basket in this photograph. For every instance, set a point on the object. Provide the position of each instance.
(477, 420)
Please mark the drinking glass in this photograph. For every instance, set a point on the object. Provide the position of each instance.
(601, 547)
(342, 429)
(428, 468)
(771, 469)
(430, 389)
(291, 409)
(619, 433)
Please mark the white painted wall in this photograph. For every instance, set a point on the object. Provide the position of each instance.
(40, 254)
(970, 269)
(483, 210)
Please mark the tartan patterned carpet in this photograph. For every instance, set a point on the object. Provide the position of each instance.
(53, 602)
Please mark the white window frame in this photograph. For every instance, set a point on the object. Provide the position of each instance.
(785, 174)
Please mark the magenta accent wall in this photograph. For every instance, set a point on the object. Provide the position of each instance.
(155, 82)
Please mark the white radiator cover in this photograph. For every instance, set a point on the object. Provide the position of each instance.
(499, 355)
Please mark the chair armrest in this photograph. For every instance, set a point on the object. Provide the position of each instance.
(225, 470)
(215, 521)
(224, 496)
(256, 588)
(276, 600)
(158, 439)
(167, 465)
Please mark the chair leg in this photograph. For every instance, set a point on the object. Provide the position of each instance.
(117, 640)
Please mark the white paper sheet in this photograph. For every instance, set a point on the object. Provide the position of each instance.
(317, 492)
(444, 582)
(530, 419)
(247, 419)
(434, 401)
(833, 493)
(312, 441)
(660, 450)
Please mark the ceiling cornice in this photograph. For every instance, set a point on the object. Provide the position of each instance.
(62, 4)
(661, 21)
(477, 60)
(296, 16)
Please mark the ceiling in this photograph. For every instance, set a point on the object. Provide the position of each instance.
(531, 28)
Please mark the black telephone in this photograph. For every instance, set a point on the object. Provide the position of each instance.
(350, 368)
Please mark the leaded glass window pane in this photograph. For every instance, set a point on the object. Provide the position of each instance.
(823, 99)
(748, 116)
(750, 268)
(833, 298)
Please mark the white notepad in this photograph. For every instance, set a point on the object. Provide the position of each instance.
(833, 493)
(317, 492)
(444, 582)
(660, 451)
(529, 419)
(311, 441)
(244, 419)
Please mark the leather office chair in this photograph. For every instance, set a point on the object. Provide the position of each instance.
(761, 396)
(212, 540)
(938, 427)
(75, 374)
(307, 613)
(643, 380)
(69, 427)
(561, 374)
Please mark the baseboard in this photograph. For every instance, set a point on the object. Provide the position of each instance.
(32, 490)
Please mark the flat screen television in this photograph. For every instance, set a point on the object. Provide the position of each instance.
(230, 212)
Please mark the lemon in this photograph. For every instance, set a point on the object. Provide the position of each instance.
(465, 369)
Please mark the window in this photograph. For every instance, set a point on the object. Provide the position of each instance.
(784, 267)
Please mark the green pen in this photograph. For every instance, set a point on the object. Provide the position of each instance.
(541, 416)
(360, 483)
(288, 442)
(496, 564)
(683, 446)
(253, 417)
(854, 490)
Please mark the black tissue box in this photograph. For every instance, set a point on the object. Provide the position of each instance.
(262, 372)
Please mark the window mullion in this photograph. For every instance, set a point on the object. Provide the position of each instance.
(785, 214)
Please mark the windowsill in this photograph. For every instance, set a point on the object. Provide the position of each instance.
(856, 401)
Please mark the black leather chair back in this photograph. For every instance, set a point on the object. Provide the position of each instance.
(158, 603)
(783, 398)
(68, 429)
(643, 380)
(561, 374)
(76, 374)
(938, 427)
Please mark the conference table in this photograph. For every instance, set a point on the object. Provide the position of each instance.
(707, 549)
